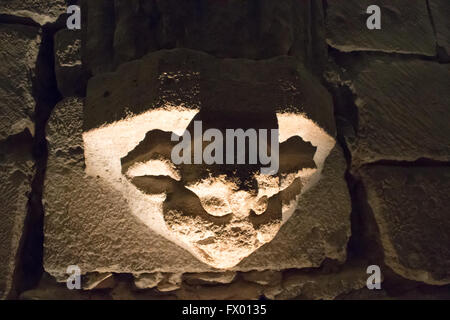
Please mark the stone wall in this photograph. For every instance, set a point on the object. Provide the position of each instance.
(376, 106)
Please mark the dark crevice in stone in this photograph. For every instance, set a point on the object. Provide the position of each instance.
(441, 52)
(442, 55)
(344, 58)
(29, 266)
(10, 19)
(325, 8)
(433, 25)
(318, 54)
(345, 110)
(362, 244)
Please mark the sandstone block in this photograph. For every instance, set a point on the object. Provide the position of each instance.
(96, 205)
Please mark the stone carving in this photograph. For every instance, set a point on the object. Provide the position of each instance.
(220, 213)
(223, 211)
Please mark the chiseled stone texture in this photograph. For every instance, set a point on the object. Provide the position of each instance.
(410, 206)
(440, 11)
(405, 27)
(90, 224)
(19, 46)
(68, 68)
(16, 172)
(41, 11)
(123, 30)
(403, 110)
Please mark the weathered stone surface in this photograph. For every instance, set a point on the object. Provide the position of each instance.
(254, 30)
(440, 11)
(316, 286)
(41, 11)
(410, 206)
(405, 27)
(16, 172)
(68, 68)
(403, 110)
(19, 46)
(92, 214)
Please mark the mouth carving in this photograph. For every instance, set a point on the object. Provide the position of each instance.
(223, 212)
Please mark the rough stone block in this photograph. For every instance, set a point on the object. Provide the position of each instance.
(410, 206)
(403, 110)
(165, 90)
(405, 27)
(19, 46)
(16, 173)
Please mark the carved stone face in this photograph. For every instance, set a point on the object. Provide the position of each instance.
(219, 213)
(222, 212)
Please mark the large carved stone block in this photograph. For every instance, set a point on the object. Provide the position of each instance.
(194, 218)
